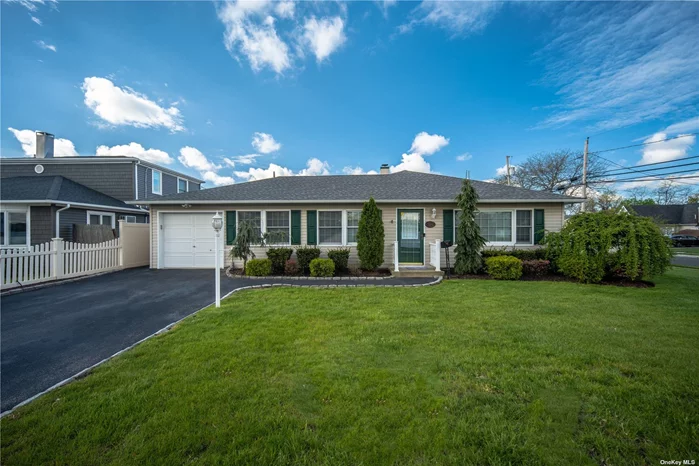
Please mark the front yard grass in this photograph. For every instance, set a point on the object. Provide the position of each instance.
(690, 251)
(467, 372)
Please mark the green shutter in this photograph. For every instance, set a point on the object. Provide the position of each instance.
(295, 227)
(230, 227)
(538, 225)
(448, 233)
(311, 227)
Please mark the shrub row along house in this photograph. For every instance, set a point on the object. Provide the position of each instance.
(417, 210)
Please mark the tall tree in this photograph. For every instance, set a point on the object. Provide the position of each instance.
(469, 241)
(670, 192)
(370, 236)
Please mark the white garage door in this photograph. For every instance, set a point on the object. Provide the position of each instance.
(187, 241)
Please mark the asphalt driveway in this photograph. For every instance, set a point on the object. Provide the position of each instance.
(52, 333)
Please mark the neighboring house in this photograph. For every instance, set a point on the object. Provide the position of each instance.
(670, 218)
(324, 211)
(95, 184)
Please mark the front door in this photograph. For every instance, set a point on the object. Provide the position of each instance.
(410, 232)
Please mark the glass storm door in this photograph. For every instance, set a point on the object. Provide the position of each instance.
(410, 232)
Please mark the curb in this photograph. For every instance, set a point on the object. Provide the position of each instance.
(302, 277)
(168, 327)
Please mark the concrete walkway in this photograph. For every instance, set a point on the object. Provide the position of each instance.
(50, 334)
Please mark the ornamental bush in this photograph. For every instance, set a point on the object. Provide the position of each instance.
(291, 267)
(522, 254)
(592, 246)
(305, 255)
(322, 268)
(469, 241)
(504, 267)
(340, 258)
(258, 267)
(279, 256)
(535, 267)
(370, 236)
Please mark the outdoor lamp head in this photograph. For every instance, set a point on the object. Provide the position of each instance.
(217, 222)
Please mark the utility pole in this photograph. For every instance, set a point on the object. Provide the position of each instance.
(507, 157)
(584, 174)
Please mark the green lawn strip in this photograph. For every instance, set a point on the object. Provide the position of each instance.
(687, 251)
(467, 372)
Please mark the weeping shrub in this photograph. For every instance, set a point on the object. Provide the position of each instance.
(592, 246)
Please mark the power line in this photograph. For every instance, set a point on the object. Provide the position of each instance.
(627, 172)
(644, 143)
(634, 170)
(654, 163)
(672, 178)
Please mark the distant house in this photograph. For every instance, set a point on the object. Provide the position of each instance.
(671, 218)
(44, 196)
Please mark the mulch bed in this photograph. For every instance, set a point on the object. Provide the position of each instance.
(610, 281)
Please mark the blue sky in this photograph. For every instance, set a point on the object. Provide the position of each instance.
(235, 91)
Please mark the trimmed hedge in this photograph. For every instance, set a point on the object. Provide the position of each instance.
(340, 258)
(322, 268)
(279, 256)
(504, 267)
(521, 254)
(535, 268)
(304, 256)
(291, 267)
(258, 268)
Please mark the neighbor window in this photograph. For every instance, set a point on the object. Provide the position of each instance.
(100, 218)
(130, 218)
(330, 227)
(524, 226)
(182, 185)
(157, 187)
(254, 218)
(13, 228)
(278, 225)
(352, 225)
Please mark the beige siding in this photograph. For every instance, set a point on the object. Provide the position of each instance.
(553, 218)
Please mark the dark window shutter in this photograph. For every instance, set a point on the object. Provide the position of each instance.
(311, 227)
(295, 227)
(230, 227)
(448, 233)
(538, 225)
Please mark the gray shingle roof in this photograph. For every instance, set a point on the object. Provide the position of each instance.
(401, 186)
(682, 214)
(54, 188)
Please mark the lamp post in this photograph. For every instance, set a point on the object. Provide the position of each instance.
(217, 223)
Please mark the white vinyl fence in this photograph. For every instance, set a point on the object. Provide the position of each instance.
(56, 260)
(436, 254)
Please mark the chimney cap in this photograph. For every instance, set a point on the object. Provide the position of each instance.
(385, 169)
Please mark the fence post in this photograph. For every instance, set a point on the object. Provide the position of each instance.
(120, 243)
(57, 252)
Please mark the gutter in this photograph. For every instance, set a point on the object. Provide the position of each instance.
(75, 204)
(358, 201)
(58, 220)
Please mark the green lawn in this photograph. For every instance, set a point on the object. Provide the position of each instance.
(467, 372)
(690, 251)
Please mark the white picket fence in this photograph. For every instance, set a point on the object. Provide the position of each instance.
(56, 260)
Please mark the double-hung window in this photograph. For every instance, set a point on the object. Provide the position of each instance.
(352, 225)
(253, 218)
(182, 185)
(100, 218)
(14, 229)
(503, 227)
(524, 227)
(157, 184)
(330, 227)
(278, 225)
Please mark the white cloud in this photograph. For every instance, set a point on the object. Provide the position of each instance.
(324, 36)
(428, 144)
(357, 171)
(413, 163)
(684, 126)
(667, 150)
(501, 171)
(124, 106)
(192, 157)
(265, 143)
(27, 138)
(248, 159)
(619, 64)
(455, 17)
(216, 179)
(315, 167)
(464, 157)
(285, 9)
(32, 5)
(43, 45)
(36, 20)
(250, 31)
(136, 150)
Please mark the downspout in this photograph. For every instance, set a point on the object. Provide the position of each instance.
(58, 220)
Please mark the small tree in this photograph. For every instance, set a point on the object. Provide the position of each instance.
(469, 241)
(245, 238)
(370, 236)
